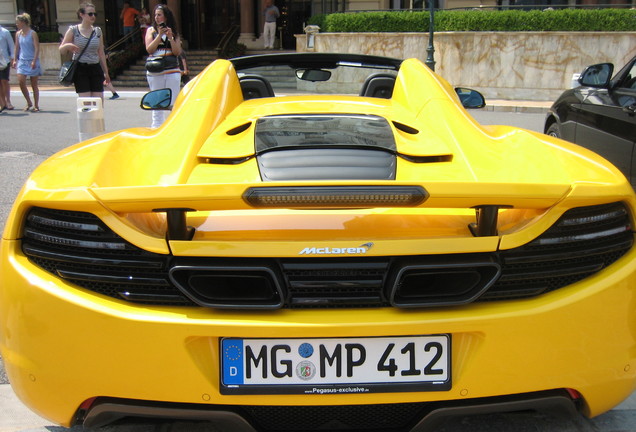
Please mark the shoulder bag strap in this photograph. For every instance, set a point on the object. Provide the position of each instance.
(87, 43)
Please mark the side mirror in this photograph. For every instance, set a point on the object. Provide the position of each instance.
(313, 74)
(157, 100)
(470, 99)
(597, 75)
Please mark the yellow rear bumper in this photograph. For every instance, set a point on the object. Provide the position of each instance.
(63, 345)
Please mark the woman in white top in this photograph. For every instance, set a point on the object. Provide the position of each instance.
(162, 40)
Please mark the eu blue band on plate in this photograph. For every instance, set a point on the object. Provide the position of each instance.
(232, 361)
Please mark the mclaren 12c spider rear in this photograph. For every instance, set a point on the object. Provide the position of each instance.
(319, 241)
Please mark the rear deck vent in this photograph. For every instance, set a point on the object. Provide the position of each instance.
(239, 129)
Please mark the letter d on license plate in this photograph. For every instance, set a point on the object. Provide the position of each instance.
(342, 365)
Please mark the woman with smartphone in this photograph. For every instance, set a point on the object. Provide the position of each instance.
(163, 41)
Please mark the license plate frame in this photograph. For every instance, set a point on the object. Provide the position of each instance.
(312, 365)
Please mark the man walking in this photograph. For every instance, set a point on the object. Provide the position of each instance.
(269, 31)
(128, 15)
(6, 55)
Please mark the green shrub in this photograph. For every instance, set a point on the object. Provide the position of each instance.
(46, 37)
(481, 20)
(318, 20)
(234, 49)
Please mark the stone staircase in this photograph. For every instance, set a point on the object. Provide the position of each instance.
(49, 77)
(135, 75)
(278, 80)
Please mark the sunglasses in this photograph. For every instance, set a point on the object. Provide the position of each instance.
(92, 14)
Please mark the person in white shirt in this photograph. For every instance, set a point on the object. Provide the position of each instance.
(6, 57)
(271, 13)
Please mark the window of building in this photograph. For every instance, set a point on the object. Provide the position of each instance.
(42, 14)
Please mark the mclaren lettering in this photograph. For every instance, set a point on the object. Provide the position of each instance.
(336, 250)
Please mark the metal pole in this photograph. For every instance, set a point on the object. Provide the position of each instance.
(430, 59)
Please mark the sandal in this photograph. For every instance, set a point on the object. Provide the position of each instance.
(10, 107)
(36, 109)
(27, 109)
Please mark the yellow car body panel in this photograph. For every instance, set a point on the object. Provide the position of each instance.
(56, 334)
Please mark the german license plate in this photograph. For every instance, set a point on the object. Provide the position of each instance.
(338, 365)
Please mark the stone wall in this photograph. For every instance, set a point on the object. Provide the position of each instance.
(50, 57)
(50, 62)
(8, 13)
(502, 65)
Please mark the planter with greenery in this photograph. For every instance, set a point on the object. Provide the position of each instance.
(479, 20)
(510, 54)
(45, 37)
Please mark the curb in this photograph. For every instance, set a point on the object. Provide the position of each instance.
(517, 109)
(518, 106)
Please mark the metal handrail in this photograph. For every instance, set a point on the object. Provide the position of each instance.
(123, 41)
(227, 38)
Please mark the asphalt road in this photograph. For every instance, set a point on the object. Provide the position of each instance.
(27, 139)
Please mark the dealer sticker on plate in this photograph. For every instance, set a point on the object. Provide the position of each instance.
(342, 365)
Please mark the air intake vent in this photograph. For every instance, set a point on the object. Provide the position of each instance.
(327, 164)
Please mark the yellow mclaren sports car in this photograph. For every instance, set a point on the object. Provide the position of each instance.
(319, 241)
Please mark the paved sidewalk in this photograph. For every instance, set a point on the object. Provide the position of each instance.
(499, 105)
(14, 416)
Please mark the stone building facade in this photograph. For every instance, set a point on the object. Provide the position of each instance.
(202, 23)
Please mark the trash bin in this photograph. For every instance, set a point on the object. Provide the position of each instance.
(311, 31)
(90, 117)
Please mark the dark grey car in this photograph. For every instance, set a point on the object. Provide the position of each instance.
(600, 115)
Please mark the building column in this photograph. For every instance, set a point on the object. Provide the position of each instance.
(175, 8)
(151, 9)
(248, 35)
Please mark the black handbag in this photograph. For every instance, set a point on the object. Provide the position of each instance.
(67, 71)
(161, 63)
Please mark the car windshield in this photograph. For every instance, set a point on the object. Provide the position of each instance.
(282, 75)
